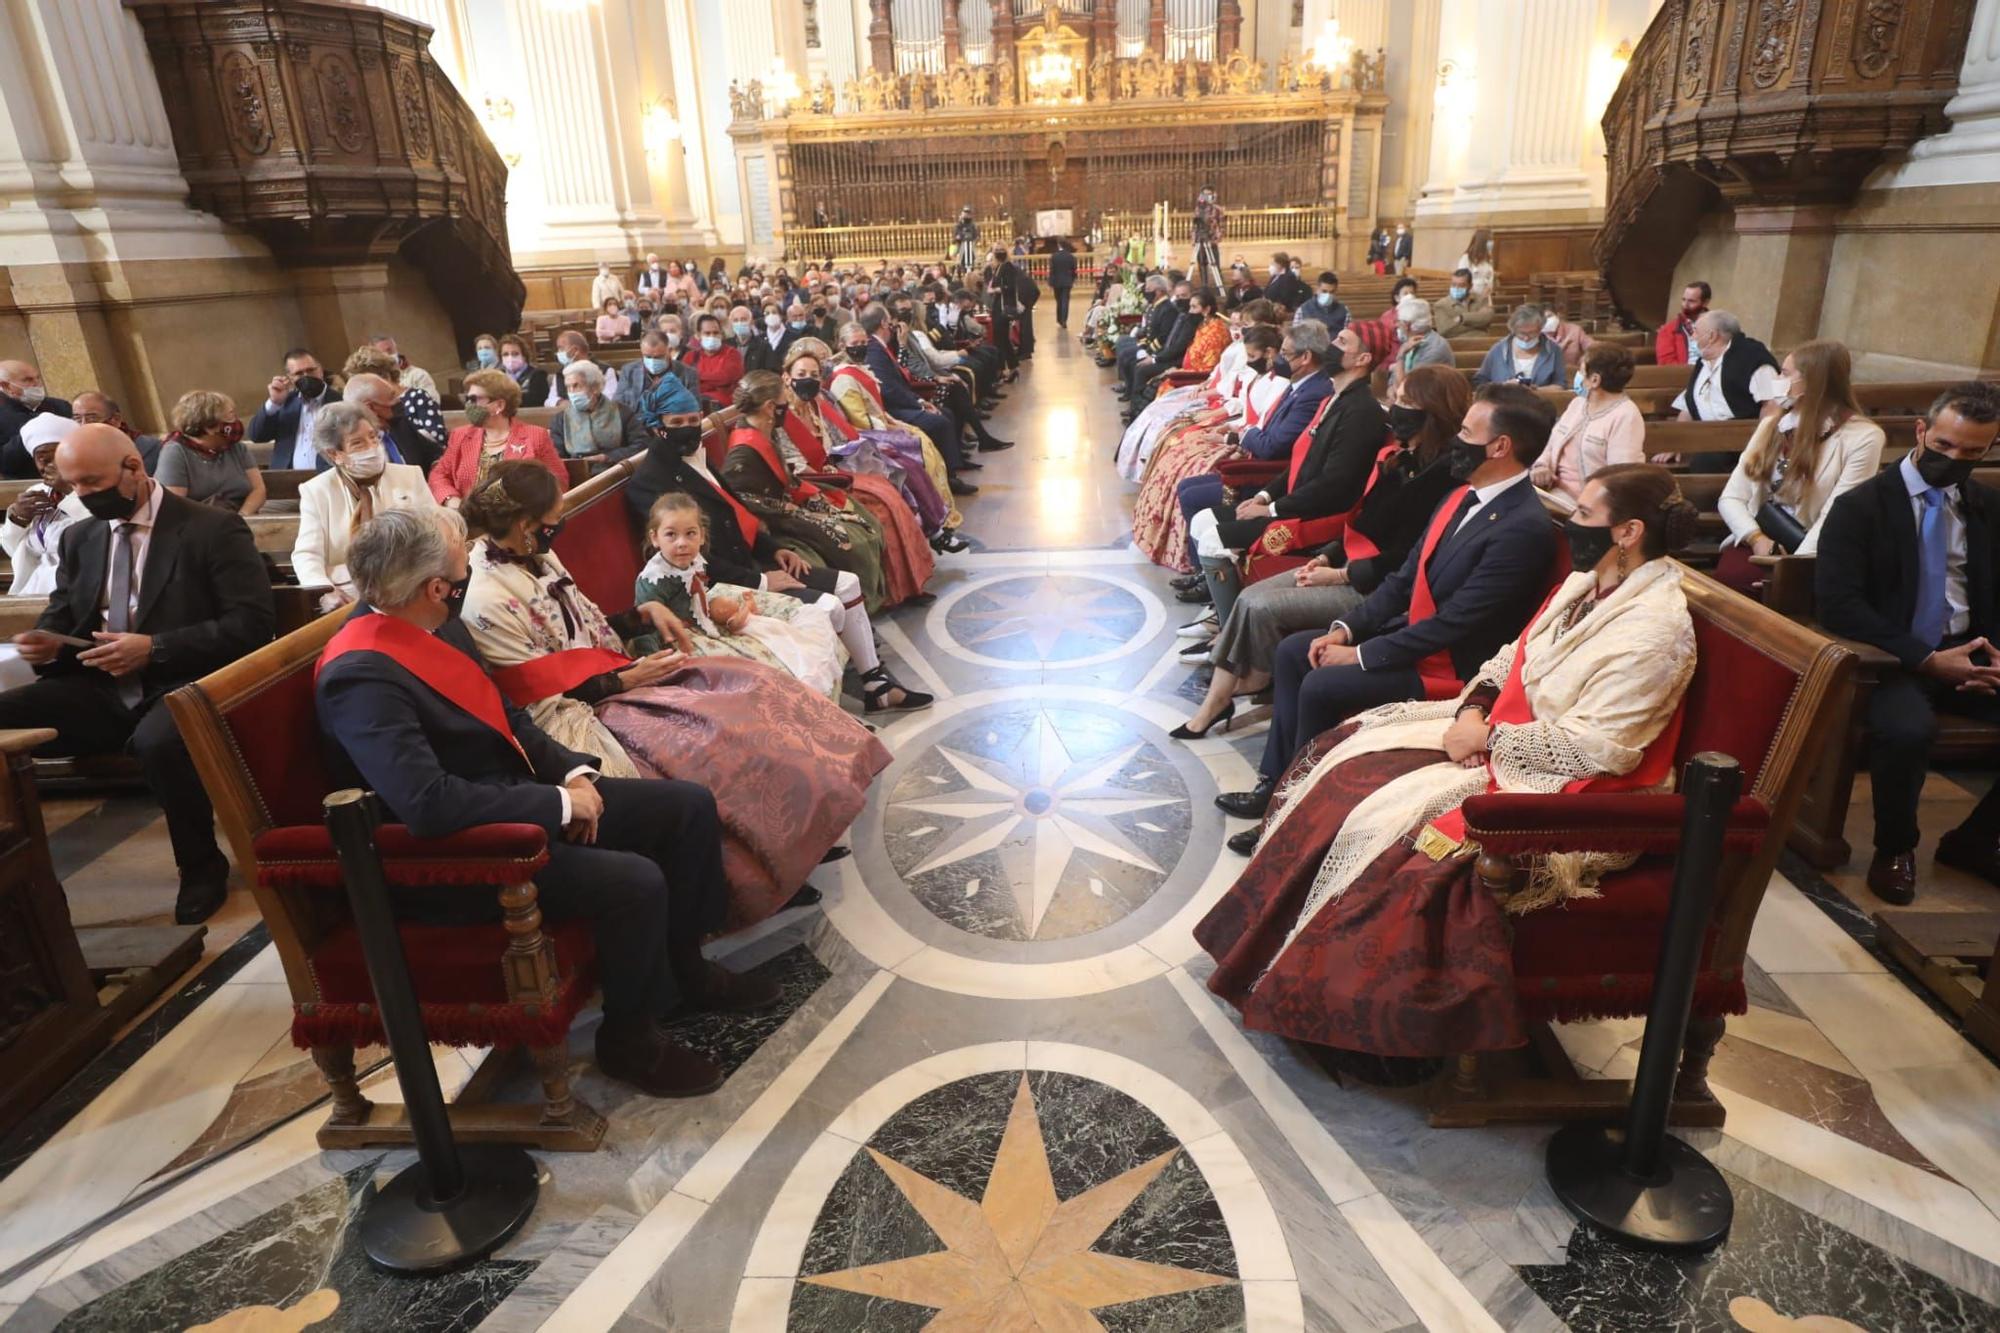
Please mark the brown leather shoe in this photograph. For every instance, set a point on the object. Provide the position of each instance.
(718, 990)
(1892, 877)
(642, 1056)
(1973, 854)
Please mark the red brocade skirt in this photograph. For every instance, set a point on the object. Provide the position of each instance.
(1414, 960)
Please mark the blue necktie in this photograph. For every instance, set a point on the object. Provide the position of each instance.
(1933, 613)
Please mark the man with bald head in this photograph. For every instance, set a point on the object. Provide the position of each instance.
(23, 396)
(93, 407)
(152, 591)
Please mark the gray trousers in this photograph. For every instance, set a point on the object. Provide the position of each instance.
(1266, 612)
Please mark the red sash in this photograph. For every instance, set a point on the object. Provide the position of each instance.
(866, 379)
(1303, 445)
(1511, 708)
(556, 673)
(748, 437)
(454, 676)
(805, 440)
(1440, 676)
(1356, 543)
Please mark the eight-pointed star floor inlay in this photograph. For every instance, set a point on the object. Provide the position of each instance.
(1045, 806)
(1056, 618)
(1019, 1257)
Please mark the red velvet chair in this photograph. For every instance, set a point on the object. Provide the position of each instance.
(1767, 692)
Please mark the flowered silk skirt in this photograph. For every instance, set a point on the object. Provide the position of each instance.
(788, 768)
(1413, 960)
(1158, 527)
(907, 559)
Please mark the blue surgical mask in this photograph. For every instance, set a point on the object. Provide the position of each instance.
(1458, 293)
(711, 342)
(1529, 343)
(1326, 298)
(654, 364)
(742, 330)
(487, 357)
(1577, 383)
(580, 401)
(562, 357)
(798, 323)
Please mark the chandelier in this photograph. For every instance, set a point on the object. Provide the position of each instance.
(781, 86)
(1331, 51)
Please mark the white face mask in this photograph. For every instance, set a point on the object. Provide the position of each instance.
(1788, 423)
(364, 463)
(1550, 325)
(33, 395)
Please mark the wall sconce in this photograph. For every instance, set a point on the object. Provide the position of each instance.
(660, 128)
(1455, 88)
(497, 114)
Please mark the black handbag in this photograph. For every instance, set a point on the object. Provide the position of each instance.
(1781, 526)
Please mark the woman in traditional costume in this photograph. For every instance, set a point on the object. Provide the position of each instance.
(858, 394)
(821, 523)
(818, 438)
(1359, 925)
(1197, 445)
(1225, 386)
(789, 770)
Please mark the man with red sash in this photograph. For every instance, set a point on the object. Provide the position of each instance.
(1468, 587)
(409, 709)
(1308, 506)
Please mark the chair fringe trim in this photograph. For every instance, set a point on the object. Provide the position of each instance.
(444, 1024)
(318, 874)
(1582, 1000)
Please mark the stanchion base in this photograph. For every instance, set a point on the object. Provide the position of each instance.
(1686, 1205)
(402, 1232)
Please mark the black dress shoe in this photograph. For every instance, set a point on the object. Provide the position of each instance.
(1248, 804)
(1186, 581)
(1244, 843)
(993, 444)
(201, 895)
(960, 486)
(717, 990)
(1196, 595)
(1892, 877)
(1973, 853)
(969, 466)
(647, 1059)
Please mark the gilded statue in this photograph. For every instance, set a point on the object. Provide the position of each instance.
(1006, 96)
(822, 97)
(1288, 76)
(1101, 77)
(745, 104)
(1128, 80)
(1239, 74)
(1153, 78)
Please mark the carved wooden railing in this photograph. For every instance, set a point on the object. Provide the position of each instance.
(932, 240)
(1761, 102)
(327, 130)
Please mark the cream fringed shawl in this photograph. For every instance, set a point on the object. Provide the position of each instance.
(1601, 692)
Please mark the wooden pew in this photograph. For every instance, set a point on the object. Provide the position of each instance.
(1879, 398)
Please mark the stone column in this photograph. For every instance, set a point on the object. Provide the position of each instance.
(1228, 28)
(1969, 152)
(881, 37)
(1104, 28)
(694, 116)
(954, 53)
(1156, 28)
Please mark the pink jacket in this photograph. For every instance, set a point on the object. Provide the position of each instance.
(455, 474)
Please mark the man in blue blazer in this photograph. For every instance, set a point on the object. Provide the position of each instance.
(285, 420)
(404, 698)
(1484, 565)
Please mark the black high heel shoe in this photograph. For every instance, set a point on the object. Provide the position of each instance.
(1186, 733)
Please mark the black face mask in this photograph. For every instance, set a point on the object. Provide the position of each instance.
(310, 386)
(1466, 458)
(856, 354)
(1586, 545)
(1939, 470)
(546, 534)
(1336, 361)
(111, 504)
(1405, 422)
(454, 601)
(682, 439)
(806, 389)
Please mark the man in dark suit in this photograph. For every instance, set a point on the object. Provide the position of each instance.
(1027, 294)
(1340, 446)
(1168, 325)
(168, 591)
(901, 399)
(22, 398)
(1307, 350)
(1908, 562)
(1482, 567)
(1152, 332)
(404, 698)
(1062, 277)
(656, 358)
(285, 420)
(384, 401)
(1286, 287)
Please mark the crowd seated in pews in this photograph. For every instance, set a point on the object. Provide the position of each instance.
(1481, 563)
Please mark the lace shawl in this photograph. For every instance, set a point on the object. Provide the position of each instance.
(1601, 692)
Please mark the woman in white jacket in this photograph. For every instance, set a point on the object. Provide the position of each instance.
(1789, 473)
(334, 504)
(35, 522)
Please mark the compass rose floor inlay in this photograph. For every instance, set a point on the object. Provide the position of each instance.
(997, 1094)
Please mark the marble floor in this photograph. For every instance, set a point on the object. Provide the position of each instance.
(997, 1093)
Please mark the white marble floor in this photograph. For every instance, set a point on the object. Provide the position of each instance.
(999, 1088)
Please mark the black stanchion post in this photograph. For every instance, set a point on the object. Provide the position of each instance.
(453, 1207)
(1639, 1183)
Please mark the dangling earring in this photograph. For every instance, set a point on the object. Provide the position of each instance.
(1623, 552)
